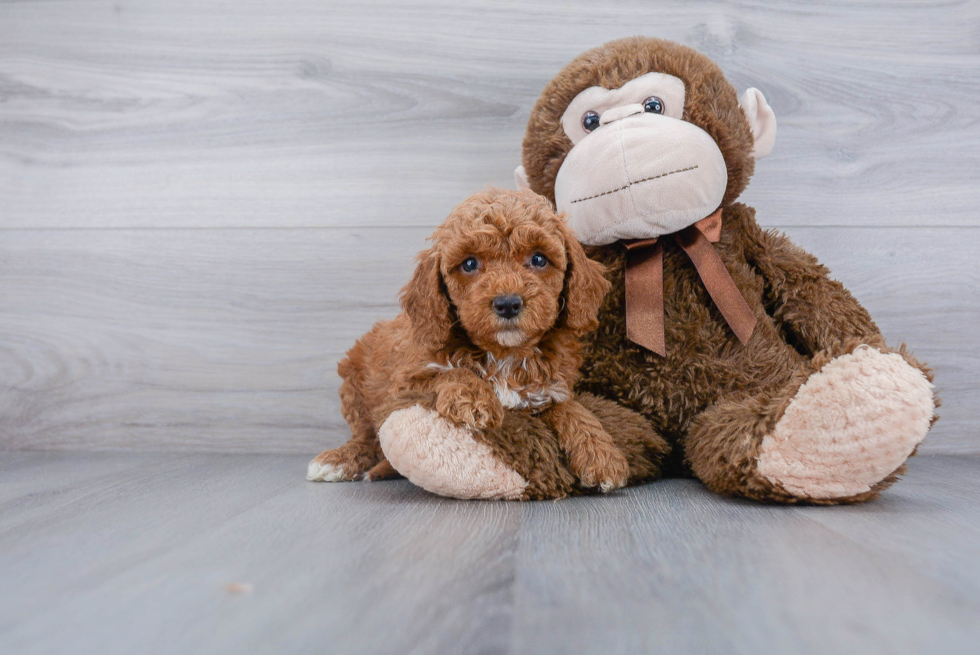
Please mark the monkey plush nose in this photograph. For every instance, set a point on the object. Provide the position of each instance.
(507, 306)
(618, 113)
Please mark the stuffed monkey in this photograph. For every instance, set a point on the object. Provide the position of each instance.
(766, 377)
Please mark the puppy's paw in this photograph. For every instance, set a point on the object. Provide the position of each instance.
(382, 471)
(339, 464)
(326, 471)
(598, 463)
(474, 406)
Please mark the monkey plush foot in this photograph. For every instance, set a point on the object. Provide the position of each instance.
(520, 460)
(850, 425)
(444, 458)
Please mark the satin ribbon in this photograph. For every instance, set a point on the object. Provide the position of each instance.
(645, 284)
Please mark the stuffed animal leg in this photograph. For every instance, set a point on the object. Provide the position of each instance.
(520, 460)
(838, 432)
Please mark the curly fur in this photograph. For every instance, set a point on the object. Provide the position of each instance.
(530, 447)
(450, 348)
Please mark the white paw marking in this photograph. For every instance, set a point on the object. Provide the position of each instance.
(849, 426)
(317, 472)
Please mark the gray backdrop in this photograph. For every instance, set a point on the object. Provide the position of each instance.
(203, 204)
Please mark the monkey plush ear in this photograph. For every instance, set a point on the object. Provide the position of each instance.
(520, 179)
(425, 302)
(762, 120)
(585, 287)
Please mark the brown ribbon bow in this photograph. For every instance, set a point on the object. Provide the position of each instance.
(645, 284)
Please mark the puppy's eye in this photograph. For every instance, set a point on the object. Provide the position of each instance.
(590, 120)
(470, 264)
(538, 260)
(653, 105)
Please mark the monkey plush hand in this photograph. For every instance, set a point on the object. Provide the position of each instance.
(767, 377)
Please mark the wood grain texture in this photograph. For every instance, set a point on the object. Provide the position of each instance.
(311, 113)
(684, 571)
(228, 340)
(141, 558)
(121, 553)
(203, 204)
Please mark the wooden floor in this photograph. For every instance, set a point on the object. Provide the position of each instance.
(144, 553)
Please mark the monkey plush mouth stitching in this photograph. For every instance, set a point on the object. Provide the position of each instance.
(646, 179)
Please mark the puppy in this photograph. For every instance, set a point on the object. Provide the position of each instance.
(492, 319)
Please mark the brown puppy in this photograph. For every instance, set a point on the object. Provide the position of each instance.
(492, 320)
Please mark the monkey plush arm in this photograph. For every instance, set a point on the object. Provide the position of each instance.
(818, 311)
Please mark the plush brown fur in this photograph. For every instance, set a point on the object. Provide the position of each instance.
(532, 447)
(450, 350)
(711, 397)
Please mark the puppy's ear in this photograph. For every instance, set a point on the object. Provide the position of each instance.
(425, 302)
(585, 287)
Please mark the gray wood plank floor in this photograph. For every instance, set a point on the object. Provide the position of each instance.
(167, 553)
(202, 204)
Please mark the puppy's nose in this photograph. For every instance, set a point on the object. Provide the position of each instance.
(507, 306)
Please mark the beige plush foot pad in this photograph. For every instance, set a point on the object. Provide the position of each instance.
(850, 425)
(444, 458)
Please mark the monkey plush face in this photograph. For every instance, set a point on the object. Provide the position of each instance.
(637, 169)
(641, 138)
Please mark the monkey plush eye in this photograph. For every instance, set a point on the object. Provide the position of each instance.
(538, 260)
(590, 120)
(470, 264)
(653, 105)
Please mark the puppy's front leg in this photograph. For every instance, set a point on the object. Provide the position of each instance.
(467, 399)
(592, 454)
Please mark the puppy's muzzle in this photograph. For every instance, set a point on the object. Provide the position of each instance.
(508, 306)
